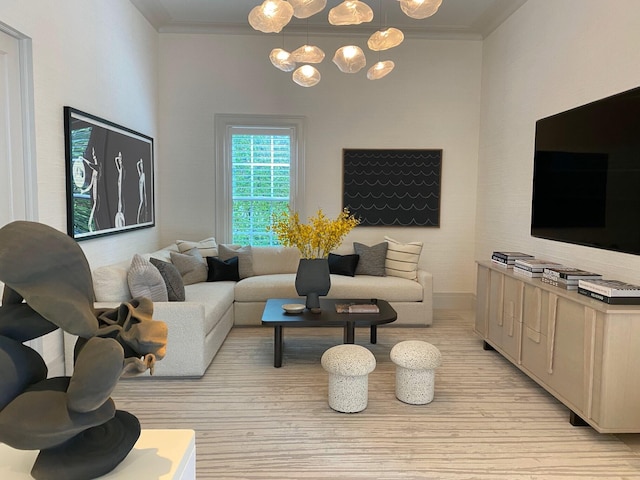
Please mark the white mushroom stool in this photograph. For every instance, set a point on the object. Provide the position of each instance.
(349, 367)
(415, 362)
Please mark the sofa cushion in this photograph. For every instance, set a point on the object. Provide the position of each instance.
(207, 247)
(392, 289)
(145, 280)
(191, 266)
(343, 264)
(216, 298)
(402, 259)
(261, 287)
(245, 258)
(172, 279)
(372, 258)
(223, 270)
(269, 260)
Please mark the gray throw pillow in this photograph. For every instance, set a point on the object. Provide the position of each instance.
(372, 259)
(245, 258)
(172, 279)
(145, 280)
(192, 266)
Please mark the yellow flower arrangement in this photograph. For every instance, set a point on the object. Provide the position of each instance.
(316, 238)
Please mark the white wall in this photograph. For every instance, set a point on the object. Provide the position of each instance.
(431, 100)
(546, 58)
(99, 56)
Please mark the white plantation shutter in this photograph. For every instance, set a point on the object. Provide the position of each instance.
(259, 169)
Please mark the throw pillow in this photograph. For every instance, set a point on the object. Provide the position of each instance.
(191, 266)
(221, 270)
(172, 279)
(208, 247)
(343, 264)
(245, 258)
(402, 259)
(372, 259)
(145, 280)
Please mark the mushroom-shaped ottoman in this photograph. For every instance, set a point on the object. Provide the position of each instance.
(349, 367)
(415, 362)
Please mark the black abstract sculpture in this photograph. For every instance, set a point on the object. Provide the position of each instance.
(71, 420)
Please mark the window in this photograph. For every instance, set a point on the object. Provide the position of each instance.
(259, 171)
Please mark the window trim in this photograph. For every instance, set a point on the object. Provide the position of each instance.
(223, 125)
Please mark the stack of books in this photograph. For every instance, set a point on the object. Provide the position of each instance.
(613, 292)
(532, 267)
(566, 277)
(507, 259)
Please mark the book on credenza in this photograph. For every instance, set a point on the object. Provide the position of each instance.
(526, 273)
(610, 288)
(357, 308)
(534, 264)
(610, 300)
(510, 255)
(569, 273)
(559, 283)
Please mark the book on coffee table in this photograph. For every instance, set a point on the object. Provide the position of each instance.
(357, 308)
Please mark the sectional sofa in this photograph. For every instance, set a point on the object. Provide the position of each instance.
(199, 325)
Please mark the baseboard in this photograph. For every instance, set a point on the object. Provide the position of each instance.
(454, 301)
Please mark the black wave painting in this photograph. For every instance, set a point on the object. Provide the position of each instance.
(393, 187)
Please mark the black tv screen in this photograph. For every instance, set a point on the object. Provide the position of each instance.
(586, 175)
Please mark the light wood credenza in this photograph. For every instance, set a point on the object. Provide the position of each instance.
(586, 353)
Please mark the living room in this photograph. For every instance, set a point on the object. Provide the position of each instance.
(476, 99)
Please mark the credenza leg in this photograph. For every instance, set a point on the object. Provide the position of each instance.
(576, 420)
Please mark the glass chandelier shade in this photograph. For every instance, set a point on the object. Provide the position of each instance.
(420, 8)
(282, 60)
(271, 16)
(350, 12)
(306, 8)
(306, 76)
(307, 54)
(385, 39)
(380, 69)
(350, 59)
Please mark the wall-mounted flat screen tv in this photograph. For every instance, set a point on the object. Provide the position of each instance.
(586, 175)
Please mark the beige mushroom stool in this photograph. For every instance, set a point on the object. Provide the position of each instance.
(415, 362)
(349, 367)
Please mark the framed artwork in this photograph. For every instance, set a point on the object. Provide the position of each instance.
(110, 178)
(391, 187)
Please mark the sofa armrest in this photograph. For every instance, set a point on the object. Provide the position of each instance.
(426, 280)
(186, 328)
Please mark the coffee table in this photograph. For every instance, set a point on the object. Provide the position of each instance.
(276, 317)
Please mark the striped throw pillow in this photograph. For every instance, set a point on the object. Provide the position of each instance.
(402, 259)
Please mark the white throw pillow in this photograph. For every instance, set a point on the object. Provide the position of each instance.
(402, 259)
(146, 281)
(207, 247)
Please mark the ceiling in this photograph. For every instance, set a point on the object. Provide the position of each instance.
(462, 19)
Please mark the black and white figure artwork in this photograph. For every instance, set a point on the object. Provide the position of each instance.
(109, 177)
(393, 187)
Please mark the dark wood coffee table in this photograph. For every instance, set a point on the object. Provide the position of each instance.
(276, 317)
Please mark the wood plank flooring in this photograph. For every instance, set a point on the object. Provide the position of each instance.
(487, 421)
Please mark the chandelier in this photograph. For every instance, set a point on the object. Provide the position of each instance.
(273, 15)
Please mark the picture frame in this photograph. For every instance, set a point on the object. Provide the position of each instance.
(109, 177)
(393, 187)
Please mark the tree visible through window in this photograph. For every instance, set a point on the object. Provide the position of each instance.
(261, 170)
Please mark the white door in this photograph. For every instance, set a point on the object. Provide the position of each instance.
(13, 201)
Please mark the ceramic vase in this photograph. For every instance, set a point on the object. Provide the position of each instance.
(313, 281)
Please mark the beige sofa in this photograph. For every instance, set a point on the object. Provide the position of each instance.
(198, 326)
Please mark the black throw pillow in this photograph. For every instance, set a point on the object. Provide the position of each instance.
(343, 264)
(221, 270)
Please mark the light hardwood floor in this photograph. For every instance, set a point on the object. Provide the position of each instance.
(487, 421)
